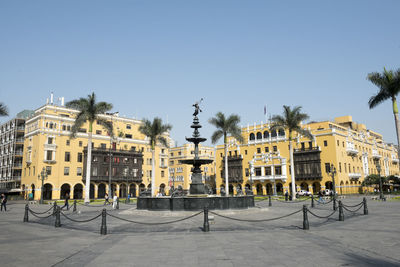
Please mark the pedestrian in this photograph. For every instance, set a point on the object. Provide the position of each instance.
(286, 195)
(106, 199)
(115, 199)
(66, 204)
(129, 197)
(3, 202)
(320, 200)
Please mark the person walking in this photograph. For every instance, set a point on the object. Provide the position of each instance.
(66, 204)
(115, 199)
(3, 202)
(320, 200)
(106, 199)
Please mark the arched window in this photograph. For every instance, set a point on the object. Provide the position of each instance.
(281, 132)
(266, 135)
(252, 137)
(273, 133)
(259, 136)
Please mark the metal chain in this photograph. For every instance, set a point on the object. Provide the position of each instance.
(160, 223)
(40, 217)
(41, 212)
(321, 217)
(353, 211)
(296, 201)
(348, 206)
(78, 221)
(264, 220)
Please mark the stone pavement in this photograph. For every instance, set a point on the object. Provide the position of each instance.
(371, 240)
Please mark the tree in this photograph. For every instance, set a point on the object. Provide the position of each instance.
(3, 110)
(89, 110)
(154, 132)
(290, 121)
(388, 83)
(224, 127)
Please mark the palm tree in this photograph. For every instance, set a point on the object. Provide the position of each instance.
(224, 127)
(291, 120)
(154, 131)
(389, 87)
(3, 110)
(89, 111)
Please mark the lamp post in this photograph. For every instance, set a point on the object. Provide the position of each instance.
(42, 176)
(378, 168)
(333, 173)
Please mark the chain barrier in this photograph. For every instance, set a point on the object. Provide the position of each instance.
(39, 213)
(354, 206)
(80, 221)
(159, 223)
(264, 220)
(324, 203)
(91, 206)
(40, 217)
(353, 211)
(322, 217)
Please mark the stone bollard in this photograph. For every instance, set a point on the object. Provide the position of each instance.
(206, 225)
(103, 228)
(341, 214)
(269, 201)
(26, 216)
(117, 203)
(365, 206)
(58, 220)
(54, 208)
(312, 201)
(306, 225)
(334, 203)
(74, 209)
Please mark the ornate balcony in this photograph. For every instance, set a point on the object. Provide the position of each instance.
(350, 149)
(355, 175)
(375, 154)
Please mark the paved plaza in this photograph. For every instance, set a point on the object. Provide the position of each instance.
(359, 240)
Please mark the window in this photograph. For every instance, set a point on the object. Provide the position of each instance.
(50, 140)
(68, 142)
(275, 148)
(133, 148)
(337, 142)
(327, 167)
(180, 153)
(49, 155)
(172, 154)
(171, 162)
(278, 170)
(79, 171)
(80, 143)
(162, 173)
(128, 136)
(252, 137)
(128, 126)
(80, 157)
(325, 143)
(257, 171)
(258, 150)
(340, 167)
(343, 143)
(66, 171)
(267, 170)
(135, 160)
(48, 170)
(245, 152)
(94, 170)
(67, 157)
(103, 146)
(81, 130)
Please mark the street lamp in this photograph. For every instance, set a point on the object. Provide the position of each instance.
(42, 176)
(378, 168)
(333, 173)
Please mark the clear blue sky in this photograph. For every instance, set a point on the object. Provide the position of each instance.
(156, 58)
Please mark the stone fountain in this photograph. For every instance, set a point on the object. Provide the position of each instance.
(197, 198)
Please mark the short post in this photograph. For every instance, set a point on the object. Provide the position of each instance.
(286, 197)
(26, 216)
(341, 215)
(334, 202)
(306, 225)
(58, 221)
(74, 209)
(103, 228)
(312, 201)
(365, 206)
(206, 225)
(117, 203)
(269, 201)
(54, 208)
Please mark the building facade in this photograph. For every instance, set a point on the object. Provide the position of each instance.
(180, 174)
(262, 162)
(49, 148)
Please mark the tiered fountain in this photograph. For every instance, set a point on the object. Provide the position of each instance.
(197, 198)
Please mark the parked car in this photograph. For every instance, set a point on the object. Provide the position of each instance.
(303, 193)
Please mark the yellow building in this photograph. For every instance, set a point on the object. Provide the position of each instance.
(48, 147)
(263, 159)
(180, 174)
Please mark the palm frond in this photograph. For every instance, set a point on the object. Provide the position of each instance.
(216, 136)
(107, 125)
(79, 121)
(3, 110)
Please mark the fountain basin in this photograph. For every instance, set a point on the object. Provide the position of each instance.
(195, 203)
